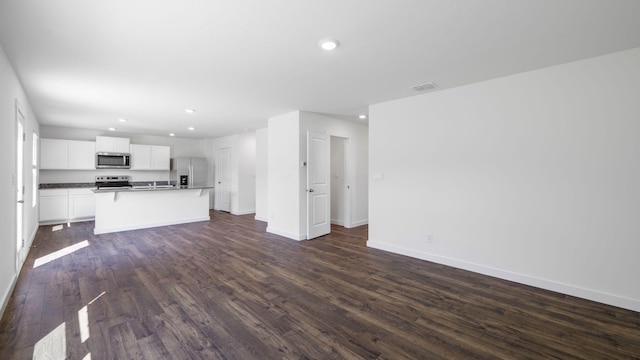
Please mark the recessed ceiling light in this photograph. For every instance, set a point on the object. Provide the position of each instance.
(112, 129)
(189, 111)
(191, 128)
(363, 116)
(172, 134)
(122, 120)
(329, 44)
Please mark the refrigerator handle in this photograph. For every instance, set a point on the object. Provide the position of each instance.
(190, 175)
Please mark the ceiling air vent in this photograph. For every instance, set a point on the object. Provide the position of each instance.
(425, 87)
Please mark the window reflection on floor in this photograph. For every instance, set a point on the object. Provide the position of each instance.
(60, 253)
(52, 346)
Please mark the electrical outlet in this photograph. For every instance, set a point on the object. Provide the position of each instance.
(430, 238)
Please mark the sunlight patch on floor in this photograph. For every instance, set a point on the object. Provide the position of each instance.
(52, 346)
(60, 253)
(83, 322)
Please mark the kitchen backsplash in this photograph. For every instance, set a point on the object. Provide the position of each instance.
(88, 176)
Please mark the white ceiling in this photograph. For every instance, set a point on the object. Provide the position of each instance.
(86, 63)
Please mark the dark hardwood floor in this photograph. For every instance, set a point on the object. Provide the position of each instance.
(225, 289)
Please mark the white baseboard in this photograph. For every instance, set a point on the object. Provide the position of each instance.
(358, 223)
(244, 212)
(7, 294)
(290, 235)
(97, 231)
(589, 294)
(337, 222)
(65, 221)
(261, 218)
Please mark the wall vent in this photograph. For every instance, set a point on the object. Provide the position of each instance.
(425, 87)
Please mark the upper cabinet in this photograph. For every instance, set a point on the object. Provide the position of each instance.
(160, 157)
(54, 154)
(112, 144)
(149, 157)
(59, 154)
(82, 154)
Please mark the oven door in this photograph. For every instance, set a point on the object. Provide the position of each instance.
(113, 161)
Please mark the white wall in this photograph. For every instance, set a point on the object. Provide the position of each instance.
(262, 144)
(284, 175)
(533, 177)
(10, 90)
(287, 178)
(246, 173)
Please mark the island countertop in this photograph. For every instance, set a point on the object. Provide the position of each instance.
(123, 209)
(148, 188)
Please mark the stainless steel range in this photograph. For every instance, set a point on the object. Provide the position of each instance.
(113, 182)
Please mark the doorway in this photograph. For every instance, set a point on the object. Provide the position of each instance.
(20, 137)
(328, 200)
(339, 181)
(223, 183)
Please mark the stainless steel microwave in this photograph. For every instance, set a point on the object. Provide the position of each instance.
(113, 160)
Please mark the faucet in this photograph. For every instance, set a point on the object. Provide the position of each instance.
(154, 184)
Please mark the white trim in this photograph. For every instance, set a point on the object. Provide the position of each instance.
(589, 294)
(260, 218)
(97, 231)
(7, 294)
(337, 222)
(244, 212)
(54, 222)
(290, 235)
(358, 223)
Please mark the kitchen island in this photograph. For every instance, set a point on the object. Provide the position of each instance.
(149, 206)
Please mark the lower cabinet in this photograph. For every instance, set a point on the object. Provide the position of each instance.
(82, 204)
(54, 205)
(66, 205)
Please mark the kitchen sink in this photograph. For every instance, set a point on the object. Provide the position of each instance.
(151, 187)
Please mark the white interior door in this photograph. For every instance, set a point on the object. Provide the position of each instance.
(318, 185)
(223, 185)
(21, 254)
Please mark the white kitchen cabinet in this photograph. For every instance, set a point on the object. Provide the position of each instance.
(140, 157)
(54, 154)
(62, 205)
(160, 157)
(82, 204)
(54, 205)
(112, 144)
(58, 154)
(150, 157)
(82, 155)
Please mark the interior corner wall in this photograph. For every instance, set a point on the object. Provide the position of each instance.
(532, 178)
(262, 143)
(246, 173)
(10, 91)
(283, 159)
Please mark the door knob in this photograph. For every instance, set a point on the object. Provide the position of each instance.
(310, 190)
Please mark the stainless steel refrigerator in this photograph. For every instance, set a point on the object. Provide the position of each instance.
(194, 168)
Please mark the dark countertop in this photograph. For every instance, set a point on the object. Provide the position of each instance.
(92, 185)
(151, 189)
(67, 185)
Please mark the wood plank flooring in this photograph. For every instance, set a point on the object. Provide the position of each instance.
(226, 289)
